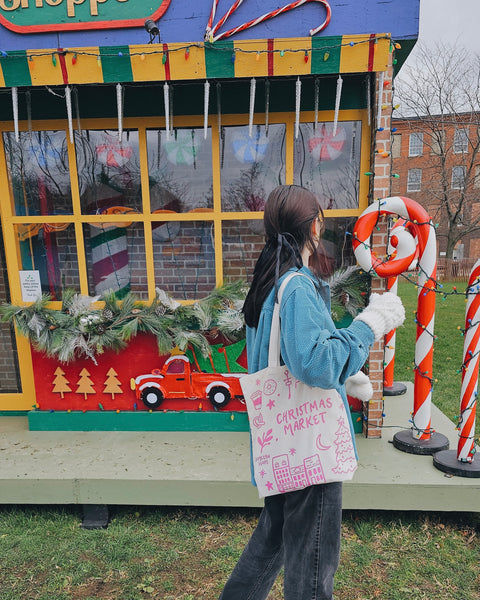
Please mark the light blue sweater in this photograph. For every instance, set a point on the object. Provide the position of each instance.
(314, 350)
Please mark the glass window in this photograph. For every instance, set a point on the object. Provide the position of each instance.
(250, 166)
(180, 169)
(328, 164)
(458, 178)
(39, 173)
(108, 171)
(476, 181)
(460, 141)
(242, 243)
(414, 180)
(415, 147)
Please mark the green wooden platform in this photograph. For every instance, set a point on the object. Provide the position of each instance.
(210, 468)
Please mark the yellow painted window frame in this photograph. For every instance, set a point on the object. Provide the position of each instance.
(26, 399)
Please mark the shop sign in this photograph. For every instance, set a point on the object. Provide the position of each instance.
(32, 16)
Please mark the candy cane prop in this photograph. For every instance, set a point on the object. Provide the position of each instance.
(395, 265)
(211, 31)
(471, 356)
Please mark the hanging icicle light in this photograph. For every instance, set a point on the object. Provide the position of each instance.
(338, 97)
(206, 97)
(253, 84)
(369, 91)
(298, 93)
(170, 107)
(315, 103)
(120, 111)
(219, 106)
(267, 104)
(68, 101)
(380, 95)
(28, 98)
(15, 112)
(166, 103)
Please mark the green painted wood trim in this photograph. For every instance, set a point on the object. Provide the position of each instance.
(320, 46)
(218, 60)
(116, 66)
(136, 421)
(15, 69)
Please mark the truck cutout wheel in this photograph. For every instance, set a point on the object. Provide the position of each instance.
(219, 396)
(152, 397)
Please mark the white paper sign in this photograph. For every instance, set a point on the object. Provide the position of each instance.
(31, 286)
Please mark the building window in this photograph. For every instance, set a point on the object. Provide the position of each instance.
(397, 146)
(438, 143)
(458, 178)
(416, 144)
(460, 141)
(476, 181)
(414, 180)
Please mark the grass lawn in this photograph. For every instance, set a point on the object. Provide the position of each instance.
(186, 554)
(448, 347)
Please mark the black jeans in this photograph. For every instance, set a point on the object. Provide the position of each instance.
(299, 530)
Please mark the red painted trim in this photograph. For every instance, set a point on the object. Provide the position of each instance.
(371, 52)
(167, 62)
(63, 65)
(270, 57)
(86, 25)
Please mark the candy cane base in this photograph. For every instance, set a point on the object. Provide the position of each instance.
(406, 442)
(448, 462)
(396, 389)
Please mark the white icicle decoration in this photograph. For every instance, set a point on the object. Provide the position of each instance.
(219, 106)
(381, 79)
(206, 97)
(253, 85)
(119, 111)
(166, 101)
(15, 112)
(369, 110)
(298, 97)
(338, 96)
(267, 104)
(315, 103)
(68, 100)
(28, 99)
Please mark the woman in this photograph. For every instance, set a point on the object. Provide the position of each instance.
(300, 530)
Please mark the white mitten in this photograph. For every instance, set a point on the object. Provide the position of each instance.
(359, 386)
(383, 313)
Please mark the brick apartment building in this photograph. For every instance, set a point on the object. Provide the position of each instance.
(437, 162)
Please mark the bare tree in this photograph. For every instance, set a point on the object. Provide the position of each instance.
(439, 93)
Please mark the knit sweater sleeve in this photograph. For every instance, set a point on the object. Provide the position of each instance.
(314, 350)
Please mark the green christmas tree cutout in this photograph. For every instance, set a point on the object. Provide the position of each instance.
(112, 385)
(60, 383)
(85, 384)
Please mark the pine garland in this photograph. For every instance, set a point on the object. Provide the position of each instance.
(80, 330)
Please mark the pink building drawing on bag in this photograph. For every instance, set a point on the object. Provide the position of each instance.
(290, 478)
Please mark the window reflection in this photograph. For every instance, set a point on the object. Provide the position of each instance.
(250, 165)
(39, 174)
(180, 169)
(242, 243)
(108, 170)
(328, 164)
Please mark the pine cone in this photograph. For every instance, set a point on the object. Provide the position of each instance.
(160, 310)
(107, 313)
(100, 329)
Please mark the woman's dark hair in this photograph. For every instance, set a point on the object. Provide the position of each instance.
(289, 213)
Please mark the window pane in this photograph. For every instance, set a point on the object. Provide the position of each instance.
(414, 181)
(10, 380)
(108, 171)
(458, 178)
(180, 169)
(242, 243)
(416, 144)
(39, 174)
(184, 259)
(49, 249)
(115, 255)
(460, 141)
(328, 164)
(250, 167)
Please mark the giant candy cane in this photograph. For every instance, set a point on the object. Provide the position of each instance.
(212, 30)
(471, 356)
(396, 264)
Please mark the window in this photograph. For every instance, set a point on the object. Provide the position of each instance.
(415, 147)
(414, 180)
(438, 143)
(458, 178)
(397, 145)
(460, 141)
(476, 181)
(180, 210)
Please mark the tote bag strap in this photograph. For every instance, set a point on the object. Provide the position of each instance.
(274, 345)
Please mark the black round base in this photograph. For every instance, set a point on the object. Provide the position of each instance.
(446, 461)
(397, 389)
(404, 440)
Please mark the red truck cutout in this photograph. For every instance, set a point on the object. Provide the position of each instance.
(178, 379)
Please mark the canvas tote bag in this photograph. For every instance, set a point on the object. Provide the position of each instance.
(300, 434)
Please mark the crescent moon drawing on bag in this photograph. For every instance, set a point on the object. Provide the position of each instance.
(319, 444)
